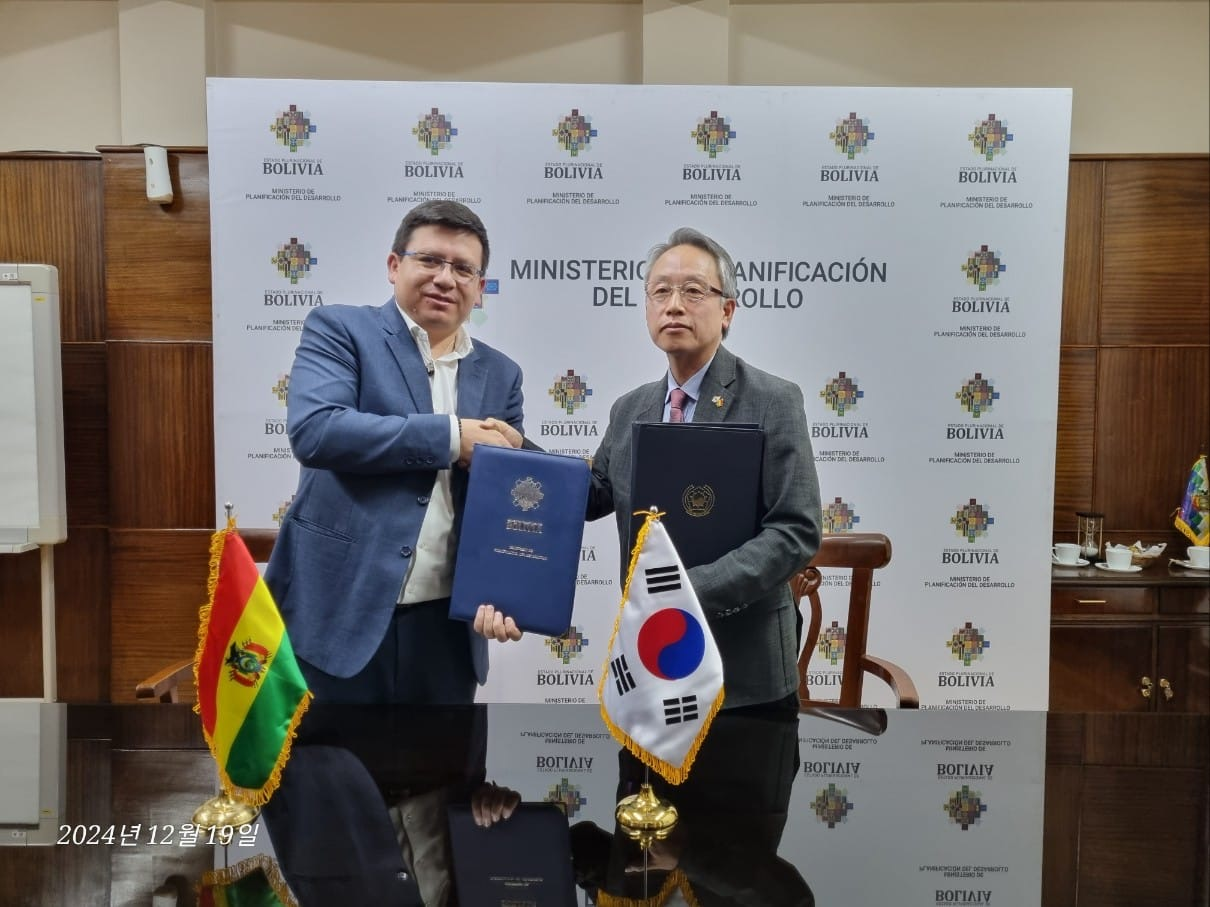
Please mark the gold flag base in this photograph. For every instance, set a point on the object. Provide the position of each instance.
(222, 811)
(645, 817)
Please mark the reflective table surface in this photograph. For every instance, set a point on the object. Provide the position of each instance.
(380, 805)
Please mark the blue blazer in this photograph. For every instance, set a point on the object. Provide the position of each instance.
(361, 423)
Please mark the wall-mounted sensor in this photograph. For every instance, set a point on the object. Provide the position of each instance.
(159, 181)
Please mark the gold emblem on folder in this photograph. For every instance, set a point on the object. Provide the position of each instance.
(527, 493)
(698, 500)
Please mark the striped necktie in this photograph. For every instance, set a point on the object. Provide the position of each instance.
(676, 409)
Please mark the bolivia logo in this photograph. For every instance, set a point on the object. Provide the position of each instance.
(671, 644)
(968, 644)
(570, 392)
(247, 662)
(434, 131)
(965, 807)
(568, 646)
(281, 390)
(831, 643)
(832, 805)
(972, 520)
(839, 517)
(713, 134)
(293, 128)
(977, 395)
(574, 132)
(841, 393)
(990, 137)
(983, 268)
(293, 260)
(567, 796)
(852, 136)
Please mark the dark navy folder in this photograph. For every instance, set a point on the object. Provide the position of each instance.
(519, 546)
(706, 479)
(524, 859)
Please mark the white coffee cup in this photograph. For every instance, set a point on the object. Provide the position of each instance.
(1117, 557)
(1199, 555)
(1065, 553)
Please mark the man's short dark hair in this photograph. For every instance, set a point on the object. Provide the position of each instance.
(441, 213)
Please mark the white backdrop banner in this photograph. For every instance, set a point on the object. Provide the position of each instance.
(900, 256)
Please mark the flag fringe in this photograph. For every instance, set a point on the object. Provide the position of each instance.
(676, 881)
(229, 875)
(218, 542)
(671, 773)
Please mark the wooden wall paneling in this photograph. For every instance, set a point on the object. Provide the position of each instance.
(158, 584)
(1170, 740)
(1153, 417)
(21, 625)
(86, 433)
(1082, 253)
(1138, 834)
(1156, 271)
(1061, 834)
(52, 215)
(82, 615)
(160, 788)
(161, 435)
(157, 257)
(1075, 442)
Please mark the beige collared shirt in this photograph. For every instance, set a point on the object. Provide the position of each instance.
(430, 574)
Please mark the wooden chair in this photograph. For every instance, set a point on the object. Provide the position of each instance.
(166, 685)
(862, 553)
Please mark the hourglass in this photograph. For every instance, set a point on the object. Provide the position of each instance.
(1088, 534)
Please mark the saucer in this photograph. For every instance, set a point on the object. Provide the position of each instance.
(1080, 562)
(1190, 565)
(1133, 568)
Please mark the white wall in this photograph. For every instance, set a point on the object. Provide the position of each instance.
(80, 73)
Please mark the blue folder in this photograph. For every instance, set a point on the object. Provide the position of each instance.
(519, 547)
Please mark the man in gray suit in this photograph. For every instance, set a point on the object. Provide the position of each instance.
(385, 406)
(691, 297)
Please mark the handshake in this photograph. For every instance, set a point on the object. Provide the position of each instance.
(484, 431)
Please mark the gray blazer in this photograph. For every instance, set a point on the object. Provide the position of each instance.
(361, 422)
(744, 593)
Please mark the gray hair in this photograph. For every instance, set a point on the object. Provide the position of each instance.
(687, 236)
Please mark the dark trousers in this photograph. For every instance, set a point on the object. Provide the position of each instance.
(424, 658)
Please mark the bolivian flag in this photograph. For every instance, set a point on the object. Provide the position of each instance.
(250, 691)
(254, 882)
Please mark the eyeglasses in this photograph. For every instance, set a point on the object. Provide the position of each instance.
(463, 273)
(691, 293)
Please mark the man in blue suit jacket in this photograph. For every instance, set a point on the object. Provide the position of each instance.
(691, 295)
(385, 406)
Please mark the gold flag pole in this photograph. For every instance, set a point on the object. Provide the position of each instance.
(645, 817)
(223, 811)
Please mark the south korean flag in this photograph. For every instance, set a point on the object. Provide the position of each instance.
(662, 683)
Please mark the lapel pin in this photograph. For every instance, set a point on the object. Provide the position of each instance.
(717, 401)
